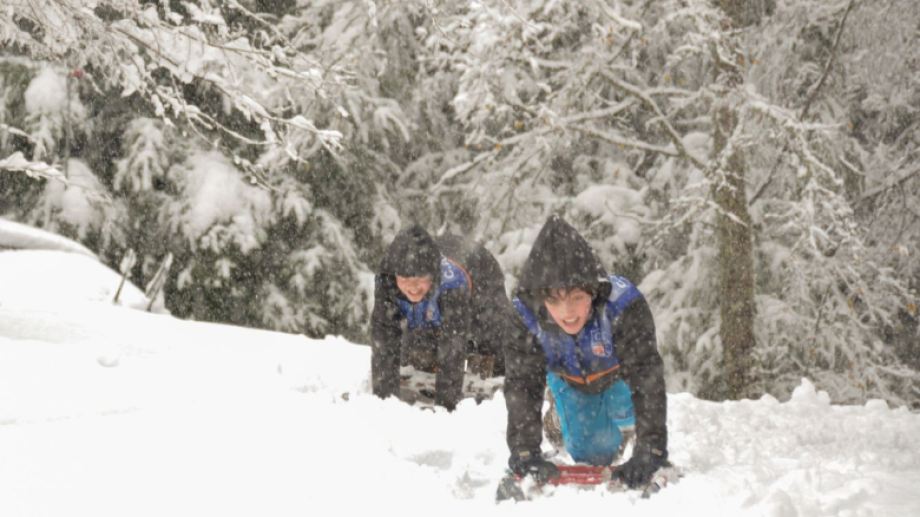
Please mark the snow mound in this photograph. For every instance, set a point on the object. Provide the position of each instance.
(45, 278)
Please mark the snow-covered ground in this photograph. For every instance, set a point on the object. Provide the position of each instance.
(110, 411)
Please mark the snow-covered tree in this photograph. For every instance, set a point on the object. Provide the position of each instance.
(823, 299)
(274, 149)
(193, 62)
(556, 96)
(216, 106)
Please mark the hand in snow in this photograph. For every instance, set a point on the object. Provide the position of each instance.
(640, 467)
(533, 465)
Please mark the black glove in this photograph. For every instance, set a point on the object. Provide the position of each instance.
(532, 464)
(640, 467)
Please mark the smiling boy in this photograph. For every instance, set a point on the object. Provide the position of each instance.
(591, 340)
(435, 302)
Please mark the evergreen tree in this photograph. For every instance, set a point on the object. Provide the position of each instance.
(752, 164)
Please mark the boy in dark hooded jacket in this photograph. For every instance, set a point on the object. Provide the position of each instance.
(435, 301)
(591, 339)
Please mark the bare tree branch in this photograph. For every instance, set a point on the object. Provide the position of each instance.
(662, 119)
(813, 94)
(829, 64)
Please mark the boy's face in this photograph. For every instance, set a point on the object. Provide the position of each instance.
(569, 308)
(414, 287)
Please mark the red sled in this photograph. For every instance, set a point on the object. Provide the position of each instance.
(585, 476)
(582, 475)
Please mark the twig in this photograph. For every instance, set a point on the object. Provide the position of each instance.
(437, 25)
(808, 102)
(830, 62)
(236, 5)
(635, 144)
(662, 119)
(884, 188)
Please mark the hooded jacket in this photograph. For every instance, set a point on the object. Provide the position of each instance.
(414, 253)
(562, 258)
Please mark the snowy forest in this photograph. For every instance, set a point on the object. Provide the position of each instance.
(754, 166)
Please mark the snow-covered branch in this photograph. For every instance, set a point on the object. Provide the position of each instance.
(134, 43)
(16, 162)
(661, 118)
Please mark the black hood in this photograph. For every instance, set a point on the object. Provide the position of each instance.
(412, 253)
(561, 257)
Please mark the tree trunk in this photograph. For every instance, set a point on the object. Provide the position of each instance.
(736, 261)
(736, 266)
(734, 231)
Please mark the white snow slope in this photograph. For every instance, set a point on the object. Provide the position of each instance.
(109, 411)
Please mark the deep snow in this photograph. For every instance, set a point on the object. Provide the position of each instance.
(107, 410)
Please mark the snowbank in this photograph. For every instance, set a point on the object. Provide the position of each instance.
(108, 411)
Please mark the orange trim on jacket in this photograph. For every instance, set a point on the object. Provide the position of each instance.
(590, 378)
(469, 277)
